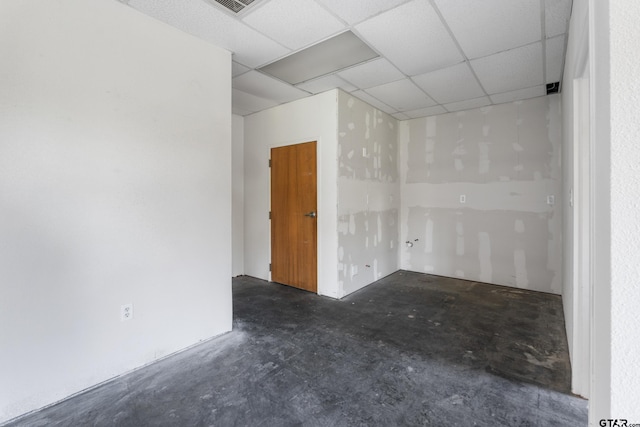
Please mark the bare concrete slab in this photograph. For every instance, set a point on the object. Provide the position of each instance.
(410, 349)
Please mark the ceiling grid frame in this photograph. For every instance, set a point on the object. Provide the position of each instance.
(466, 60)
(249, 56)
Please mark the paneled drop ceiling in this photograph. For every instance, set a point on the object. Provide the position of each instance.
(435, 56)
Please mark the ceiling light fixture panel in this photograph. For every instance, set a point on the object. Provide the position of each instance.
(334, 54)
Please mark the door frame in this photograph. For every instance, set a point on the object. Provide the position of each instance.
(583, 235)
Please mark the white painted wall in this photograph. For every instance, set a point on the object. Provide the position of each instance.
(368, 194)
(576, 198)
(505, 161)
(309, 119)
(625, 208)
(237, 181)
(115, 187)
(615, 66)
(601, 393)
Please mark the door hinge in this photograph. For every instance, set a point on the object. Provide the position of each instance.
(269, 266)
(269, 214)
(269, 162)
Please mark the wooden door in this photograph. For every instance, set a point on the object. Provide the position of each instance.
(293, 216)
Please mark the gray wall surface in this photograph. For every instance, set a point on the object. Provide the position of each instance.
(368, 194)
(475, 194)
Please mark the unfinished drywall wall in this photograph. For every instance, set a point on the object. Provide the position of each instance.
(309, 119)
(115, 188)
(237, 180)
(481, 194)
(368, 194)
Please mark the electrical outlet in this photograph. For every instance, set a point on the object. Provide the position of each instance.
(463, 198)
(126, 312)
(551, 200)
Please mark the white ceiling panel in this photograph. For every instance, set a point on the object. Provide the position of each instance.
(468, 104)
(294, 23)
(360, 94)
(237, 69)
(426, 112)
(412, 37)
(555, 59)
(517, 95)
(266, 87)
(450, 84)
(372, 73)
(557, 14)
(401, 116)
(247, 102)
(491, 26)
(510, 70)
(326, 83)
(207, 22)
(403, 95)
(354, 11)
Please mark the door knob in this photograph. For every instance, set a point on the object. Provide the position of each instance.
(311, 214)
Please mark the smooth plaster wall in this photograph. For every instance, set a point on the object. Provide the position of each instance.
(308, 119)
(237, 180)
(505, 160)
(368, 194)
(115, 188)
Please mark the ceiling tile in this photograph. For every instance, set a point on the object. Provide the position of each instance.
(555, 59)
(243, 101)
(491, 26)
(401, 116)
(237, 69)
(450, 84)
(372, 73)
(326, 83)
(557, 14)
(209, 23)
(517, 95)
(426, 112)
(412, 37)
(403, 95)
(468, 104)
(258, 84)
(510, 70)
(294, 23)
(364, 96)
(354, 11)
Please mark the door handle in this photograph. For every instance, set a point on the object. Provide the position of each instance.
(310, 214)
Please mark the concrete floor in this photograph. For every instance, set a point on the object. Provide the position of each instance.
(410, 350)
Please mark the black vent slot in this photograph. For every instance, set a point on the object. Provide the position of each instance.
(234, 5)
(553, 88)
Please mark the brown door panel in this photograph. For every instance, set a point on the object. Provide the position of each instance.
(293, 216)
